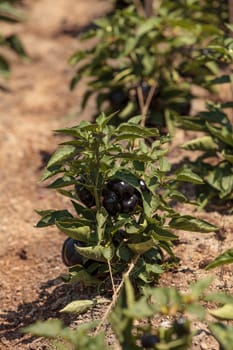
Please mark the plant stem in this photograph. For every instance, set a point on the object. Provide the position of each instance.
(149, 8)
(110, 272)
(139, 7)
(145, 104)
(230, 10)
(117, 292)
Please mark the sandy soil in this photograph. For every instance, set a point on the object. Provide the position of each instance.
(34, 102)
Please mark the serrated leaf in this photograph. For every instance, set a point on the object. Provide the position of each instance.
(61, 154)
(225, 258)
(189, 223)
(78, 306)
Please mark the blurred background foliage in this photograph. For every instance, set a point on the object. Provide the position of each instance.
(145, 58)
(10, 12)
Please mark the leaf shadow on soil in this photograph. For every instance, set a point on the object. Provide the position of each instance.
(47, 305)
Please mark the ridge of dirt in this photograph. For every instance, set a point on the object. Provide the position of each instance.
(36, 101)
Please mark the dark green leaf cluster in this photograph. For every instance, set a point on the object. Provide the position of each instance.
(135, 54)
(99, 157)
(214, 163)
(9, 13)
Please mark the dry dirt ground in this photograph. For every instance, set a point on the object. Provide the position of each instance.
(35, 101)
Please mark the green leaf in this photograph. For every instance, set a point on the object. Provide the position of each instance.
(165, 298)
(186, 175)
(16, 45)
(228, 157)
(49, 217)
(4, 66)
(148, 25)
(76, 57)
(142, 247)
(220, 298)
(61, 154)
(198, 288)
(221, 178)
(78, 306)
(101, 219)
(97, 253)
(62, 182)
(75, 229)
(49, 329)
(164, 165)
(47, 173)
(102, 120)
(225, 258)
(140, 309)
(196, 309)
(189, 223)
(223, 313)
(135, 131)
(130, 45)
(78, 273)
(150, 203)
(223, 134)
(204, 143)
(161, 234)
(223, 333)
(224, 79)
(84, 212)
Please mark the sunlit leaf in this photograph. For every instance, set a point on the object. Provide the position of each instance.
(62, 153)
(225, 258)
(189, 223)
(78, 306)
(223, 313)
